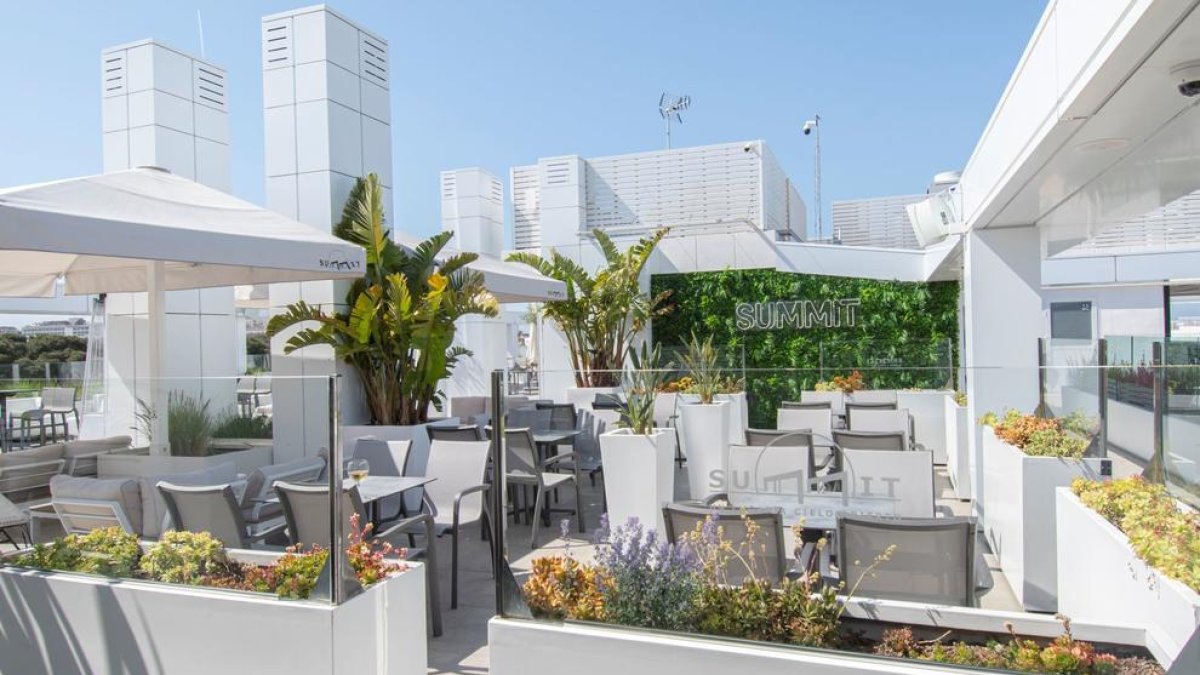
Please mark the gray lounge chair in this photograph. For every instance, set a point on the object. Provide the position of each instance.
(456, 498)
(870, 440)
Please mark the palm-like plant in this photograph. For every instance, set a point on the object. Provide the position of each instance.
(398, 330)
(602, 313)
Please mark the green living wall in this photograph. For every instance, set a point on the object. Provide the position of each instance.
(905, 334)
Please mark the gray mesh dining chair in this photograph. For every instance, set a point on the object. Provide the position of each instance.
(870, 440)
(385, 458)
(933, 559)
(806, 405)
(306, 510)
(525, 469)
(456, 498)
(213, 509)
(586, 456)
(770, 560)
(851, 406)
(800, 438)
(462, 432)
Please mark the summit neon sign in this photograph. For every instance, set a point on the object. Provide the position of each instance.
(797, 314)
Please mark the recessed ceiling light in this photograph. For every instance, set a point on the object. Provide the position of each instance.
(1103, 145)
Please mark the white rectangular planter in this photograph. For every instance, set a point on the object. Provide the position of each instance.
(704, 439)
(664, 409)
(1102, 579)
(930, 424)
(639, 475)
(526, 647)
(73, 623)
(122, 464)
(958, 459)
(1018, 515)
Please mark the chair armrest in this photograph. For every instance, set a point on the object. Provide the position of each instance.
(406, 525)
(561, 457)
(716, 497)
(471, 490)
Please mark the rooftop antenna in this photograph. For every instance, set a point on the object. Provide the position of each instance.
(200, 25)
(811, 126)
(669, 107)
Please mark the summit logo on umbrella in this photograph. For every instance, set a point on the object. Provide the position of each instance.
(338, 262)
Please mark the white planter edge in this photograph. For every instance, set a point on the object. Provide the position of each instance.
(81, 623)
(1093, 555)
(528, 647)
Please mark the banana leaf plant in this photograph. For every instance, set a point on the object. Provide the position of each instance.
(398, 330)
(604, 312)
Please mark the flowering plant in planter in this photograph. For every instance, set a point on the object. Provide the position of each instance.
(847, 384)
(1042, 436)
(199, 559)
(1165, 536)
(640, 580)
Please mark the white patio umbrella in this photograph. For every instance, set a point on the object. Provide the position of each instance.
(148, 230)
(509, 282)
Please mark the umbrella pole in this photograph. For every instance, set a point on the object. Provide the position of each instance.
(156, 300)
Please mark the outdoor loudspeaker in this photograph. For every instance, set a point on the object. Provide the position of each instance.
(931, 218)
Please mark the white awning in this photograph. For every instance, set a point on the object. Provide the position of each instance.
(98, 233)
(509, 282)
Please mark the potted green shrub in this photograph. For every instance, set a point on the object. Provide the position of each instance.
(639, 475)
(704, 420)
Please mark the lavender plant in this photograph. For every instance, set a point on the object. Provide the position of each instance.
(648, 581)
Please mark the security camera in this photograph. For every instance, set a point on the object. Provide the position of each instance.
(749, 147)
(809, 126)
(1186, 77)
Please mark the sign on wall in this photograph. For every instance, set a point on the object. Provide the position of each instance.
(797, 314)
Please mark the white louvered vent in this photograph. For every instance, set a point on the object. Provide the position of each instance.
(277, 43)
(114, 73)
(449, 185)
(558, 173)
(527, 226)
(708, 185)
(209, 85)
(373, 55)
(1175, 226)
(497, 191)
(882, 221)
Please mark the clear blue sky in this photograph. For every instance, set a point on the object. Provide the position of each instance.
(903, 87)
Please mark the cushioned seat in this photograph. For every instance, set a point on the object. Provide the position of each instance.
(260, 481)
(122, 491)
(80, 455)
(154, 508)
(25, 474)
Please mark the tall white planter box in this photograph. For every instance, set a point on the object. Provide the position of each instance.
(958, 458)
(1102, 579)
(664, 408)
(639, 475)
(526, 647)
(1018, 515)
(930, 424)
(704, 439)
(73, 623)
(739, 416)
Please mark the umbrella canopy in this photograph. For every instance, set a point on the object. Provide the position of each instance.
(509, 282)
(98, 232)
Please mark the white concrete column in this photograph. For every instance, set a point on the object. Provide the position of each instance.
(327, 122)
(473, 209)
(1002, 322)
(163, 107)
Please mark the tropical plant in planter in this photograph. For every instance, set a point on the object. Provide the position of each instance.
(603, 312)
(397, 331)
(705, 423)
(637, 458)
